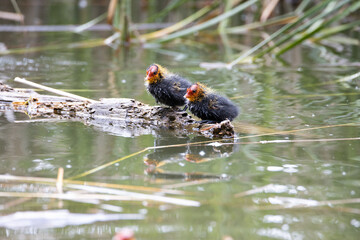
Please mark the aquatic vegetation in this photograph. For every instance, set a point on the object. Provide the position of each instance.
(291, 171)
(302, 22)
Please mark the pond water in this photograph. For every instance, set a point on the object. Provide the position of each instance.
(264, 184)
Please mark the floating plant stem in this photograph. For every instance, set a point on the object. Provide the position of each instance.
(39, 180)
(107, 164)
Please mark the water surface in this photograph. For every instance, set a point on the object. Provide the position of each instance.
(295, 183)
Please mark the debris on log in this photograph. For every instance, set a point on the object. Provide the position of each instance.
(119, 116)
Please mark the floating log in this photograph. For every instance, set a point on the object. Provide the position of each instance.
(119, 116)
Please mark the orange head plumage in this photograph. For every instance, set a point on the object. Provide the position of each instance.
(196, 92)
(155, 73)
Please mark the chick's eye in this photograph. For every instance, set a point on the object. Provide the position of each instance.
(152, 71)
(194, 90)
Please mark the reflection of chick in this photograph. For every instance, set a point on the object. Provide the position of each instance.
(189, 149)
(204, 153)
(165, 87)
(209, 106)
(165, 155)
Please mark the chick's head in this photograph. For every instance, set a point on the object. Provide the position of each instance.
(155, 73)
(195, 93)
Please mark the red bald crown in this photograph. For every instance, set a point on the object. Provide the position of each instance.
(152, 71)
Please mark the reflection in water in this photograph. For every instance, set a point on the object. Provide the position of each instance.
(59, 218)
(303, 94)
(190, 150)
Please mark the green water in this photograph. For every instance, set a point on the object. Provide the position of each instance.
(296, 181)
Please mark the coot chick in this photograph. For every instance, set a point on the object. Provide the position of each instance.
(167, 88)
(209, 106)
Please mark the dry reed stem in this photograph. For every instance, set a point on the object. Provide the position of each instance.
(268, 9)
(14, 203)
(12, 16)
(191, 183)
(107, 195)
(138, 196)
(176, 26)
(97, 184)
(253, 191)
(60, 180)
(111, 11)
(53, 90)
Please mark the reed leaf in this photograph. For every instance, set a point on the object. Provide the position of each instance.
(306, 36)
(346, 41)
(170, 7)
(90, 23)
(334, 30)
(343, 79)
(302, 6)
(82, 44)
(303, 27)
(208, 23)
(16, 6)
(284, 19)
(278, 33)
(180, 24)
(223, 24)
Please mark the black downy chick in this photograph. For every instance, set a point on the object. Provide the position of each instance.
(167, 88)
(209, 106)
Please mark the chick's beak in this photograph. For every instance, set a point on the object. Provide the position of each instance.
(151, 72)
(188, 93)
(147, 75)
